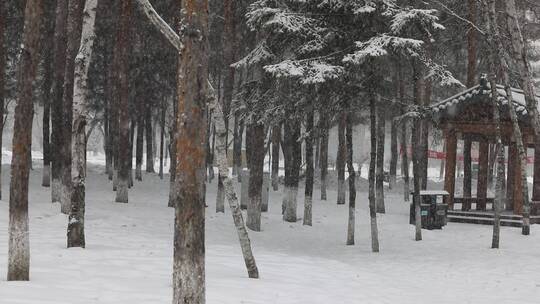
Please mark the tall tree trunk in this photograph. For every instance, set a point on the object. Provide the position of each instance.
(74, 26)
(393, 154)
(380, 158)
(75, 230)
(341, 157)
(276, 138)
(372, 165)
(48, 47)
(416, 179)
(162, 138)
(292, 151)
(404, 137)
(19, 246)
(3, 55)
(323, 127)
(139, 150)
(352, 180)
(189, 257)
(172, 152)
(121, 54)
(405, 161)
(254, 203)
(467, 171)
(310, 171)
(223, 165)
(149, 137)
(229, 57)
(496, 44)
(57, 137)
(237, 147)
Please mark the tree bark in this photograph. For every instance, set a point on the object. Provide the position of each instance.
(189, 248)
(496, 45)
(393, 155)
(254, 203)
(48, 47)
(57, 138)
(149, 137)
(380, 158)
(323, 127)
(405, 161)
(121, 73)
(140, 138)
(341, 157)
(276, 138)
(372, 165)
(416, 179)
(74, 26)
(162, 138)
(221, 156)
(352, 180)
(292, 155)
(310, 171)
(19, 246)
(237, 147)
(75, 230)
(3, 55)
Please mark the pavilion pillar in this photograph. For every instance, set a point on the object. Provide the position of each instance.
(510, 176)
(518, 192)
(483, 164)
(536, 172)
(450, 168)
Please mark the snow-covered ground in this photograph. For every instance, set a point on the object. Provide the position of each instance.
(128, 258)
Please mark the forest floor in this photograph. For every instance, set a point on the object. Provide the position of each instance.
(128, 258)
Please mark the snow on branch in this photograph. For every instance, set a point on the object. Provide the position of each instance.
(408, 18)
(160, 24)
(260, 54)
(382, 45)
(279, 20)
(309, 72)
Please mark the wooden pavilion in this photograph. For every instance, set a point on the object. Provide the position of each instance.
(469, 114)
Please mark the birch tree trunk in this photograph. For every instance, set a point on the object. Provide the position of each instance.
(308, 197)
(19, 245)
(74, 26)
(192, 86)
(121, 74)
(57, 138)
(521, 58)
(75, 230)
(341, 158)
(372, 164)
(496, 42)
(221, 157)
(352, 180)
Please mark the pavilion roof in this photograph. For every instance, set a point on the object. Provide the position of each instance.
(472, 94)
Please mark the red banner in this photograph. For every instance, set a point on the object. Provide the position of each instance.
(441, 155)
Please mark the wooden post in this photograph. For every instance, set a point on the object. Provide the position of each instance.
(510, 179)
(483, 163)
(450, 169)
(518, 193)
(536, 173)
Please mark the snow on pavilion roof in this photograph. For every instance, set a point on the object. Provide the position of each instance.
(478, 91)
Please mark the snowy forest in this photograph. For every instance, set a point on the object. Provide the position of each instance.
(269, 151)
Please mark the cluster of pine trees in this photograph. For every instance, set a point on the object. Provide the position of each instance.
(208, 76)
